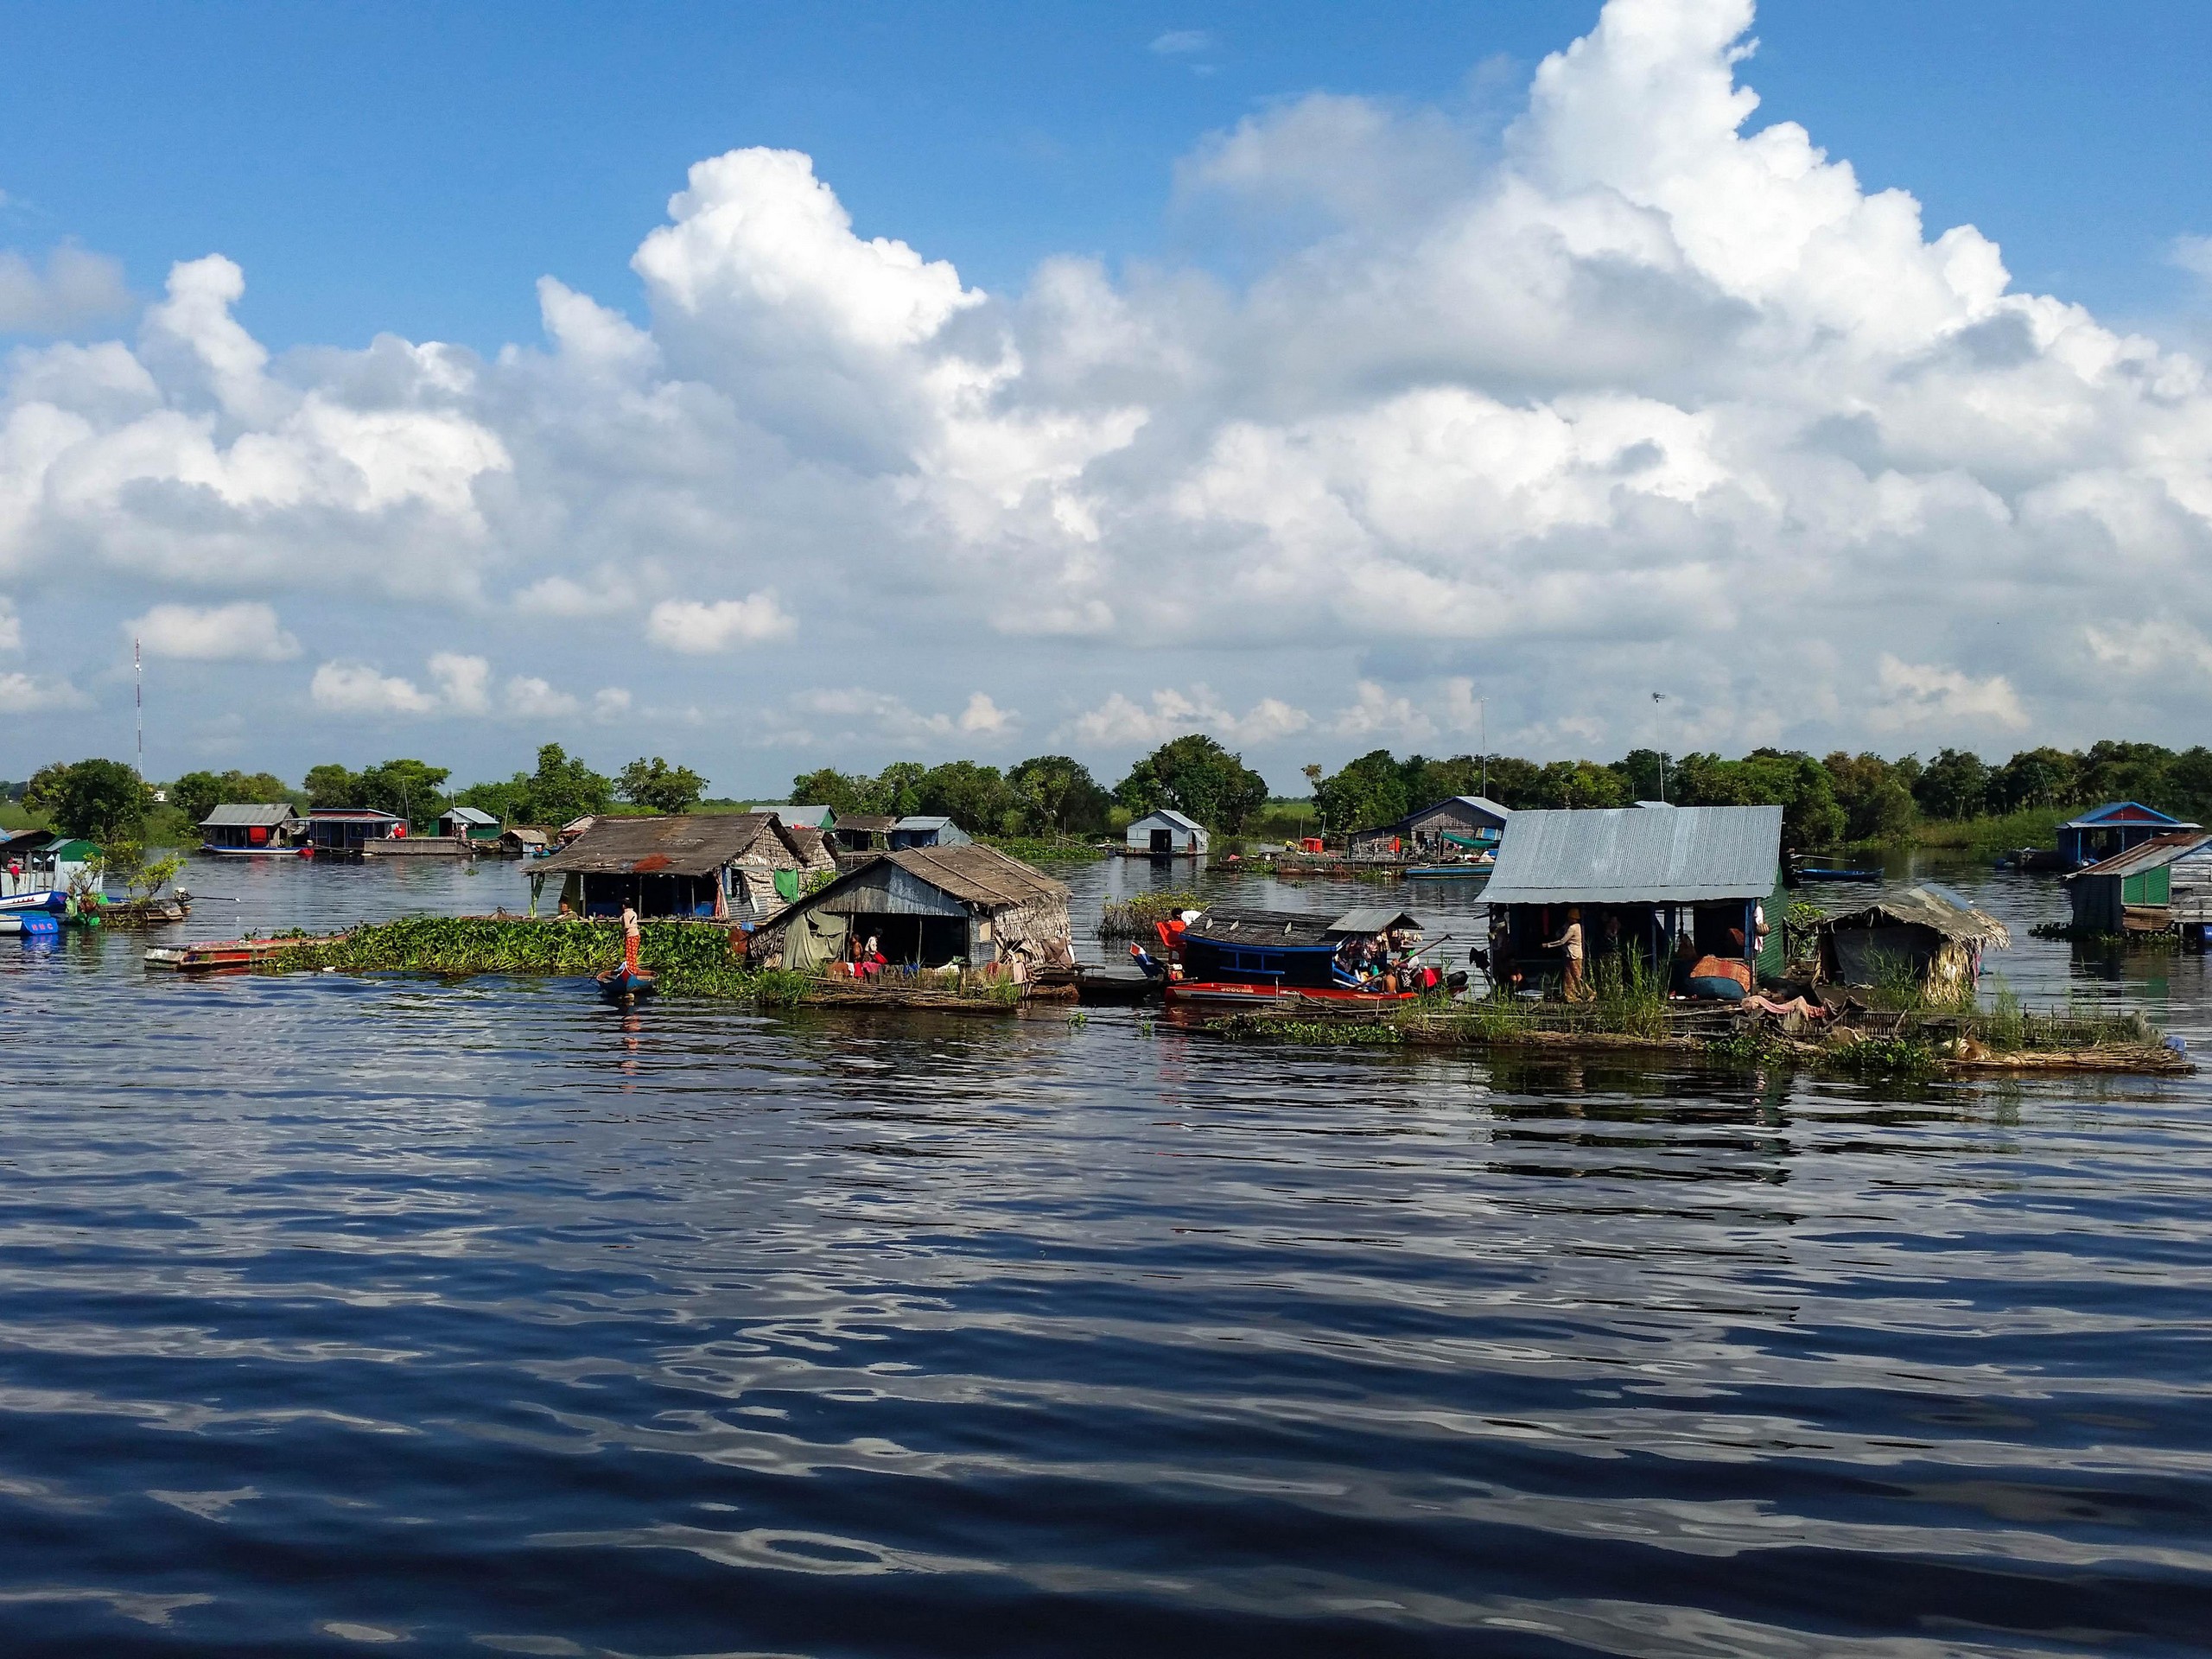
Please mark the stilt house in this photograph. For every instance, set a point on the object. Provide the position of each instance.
(702, 866)
(928, 908)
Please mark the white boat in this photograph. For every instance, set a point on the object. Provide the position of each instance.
(34, 899)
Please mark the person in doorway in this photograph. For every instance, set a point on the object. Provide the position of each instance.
(1572, 988)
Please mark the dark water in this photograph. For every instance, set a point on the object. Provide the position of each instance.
(339, 1312)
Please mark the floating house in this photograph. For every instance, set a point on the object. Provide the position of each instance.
(2132, 892)
(1642, 877)
(1166, 834)
(467, 824)
(2113, 828)
(1927, 931)
(928, 907)
(1460, 823)
(519, 841)
(250, 827)
(340, 830)
(862, 832)
(575, 827)
(702, 866)
(927, 831)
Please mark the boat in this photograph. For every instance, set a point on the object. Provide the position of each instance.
(624, 982)
(45, 898)
(1277, 959)
(223, 956)
(1449, 871)
(1824, 873)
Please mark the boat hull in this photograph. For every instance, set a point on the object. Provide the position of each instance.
(1226, 994)
(626, 981)
(40, 898)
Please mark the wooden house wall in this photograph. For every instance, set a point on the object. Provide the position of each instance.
(2098, 905)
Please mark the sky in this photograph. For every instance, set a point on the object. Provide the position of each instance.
(780, 385)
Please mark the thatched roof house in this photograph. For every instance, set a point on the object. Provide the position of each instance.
(928, 906)
(705, 864)
(1927, 932)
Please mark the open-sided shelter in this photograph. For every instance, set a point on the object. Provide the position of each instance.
(250, 827)
(2115, 827)
(468, 823)
(1927, 932)
(928, 907)
(1641, 876)
(1459, 823)
(706, 866)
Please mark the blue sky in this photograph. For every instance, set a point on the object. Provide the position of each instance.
(1281, 370)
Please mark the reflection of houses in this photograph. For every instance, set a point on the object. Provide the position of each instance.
(1463, 823)
(250, 827)
(1166, 834)
(2115, 827)
(349, 829)
(929, 906)
(467, 824)
(1927, 932)
(1641, 876)
(927, 830)
(2132, 892)
(705, 864)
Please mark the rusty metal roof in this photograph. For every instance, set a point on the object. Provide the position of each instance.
(2146, 855)
(695, 844)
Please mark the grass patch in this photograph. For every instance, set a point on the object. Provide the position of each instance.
(2033, 826)
(1318, 1033)
(1135, 918)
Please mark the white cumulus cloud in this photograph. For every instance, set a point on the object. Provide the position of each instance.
(357, 688)
(247, 631)
(699, 629)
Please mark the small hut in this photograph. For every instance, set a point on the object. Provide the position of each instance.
(927, 830)
(704, 865)
(1460, 823)
(862, 832)
(1166, 834)
(348, 828)
(520, 841)
(1929, 931)
(928, 907)
(467, 823)
(2132, 892)
(249, 827)
(2115, 827)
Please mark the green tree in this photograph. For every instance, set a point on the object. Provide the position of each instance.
(1430, 781)
(977, 798)
(198, 793)
(331, 784)
(841, 792)
(97, 799)
(2113, 771)
(656, 783)
(410, 789)
(126, 860)
(1199, 778)
(1876, 802)
(563, 787)
(897, 791)
(1513, 781)
(1364, 794)
(2042, 777)
(1578, 784)
(508, 802)
(1059, 795)
(1954, 786)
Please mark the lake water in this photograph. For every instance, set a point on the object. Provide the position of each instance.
(340, 1313)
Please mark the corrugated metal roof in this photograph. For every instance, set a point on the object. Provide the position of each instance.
(818, 817)
(1172, 816)
(922, 821)
(233, 813)
(469, 815)
(2146, 855)
(1295, 927)
(691, 844)
(1626, 855)
(2104, 818)
(1374, 918)
(348, 814)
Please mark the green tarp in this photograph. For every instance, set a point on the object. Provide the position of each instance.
(787, 885)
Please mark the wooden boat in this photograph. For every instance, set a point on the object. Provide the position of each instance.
(1449, 871)
(1277, 959)
(624, 982)
(1824, 873)
(222, 956)
(47, 898)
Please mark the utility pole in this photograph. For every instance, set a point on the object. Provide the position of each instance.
(138, 679)
(1660, 697)
(1482, 731)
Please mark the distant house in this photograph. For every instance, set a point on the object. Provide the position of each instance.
(927, 831)
(1166, 834)
(575, 827)
(2133, 890)
(524, 843)
(703, 866)
(467, 824)
(348, 828)
(862, 832)
(1466, 823)
(1641, 880)
(815, 817)
(250, 827)
(927, 907)
(2113, 828)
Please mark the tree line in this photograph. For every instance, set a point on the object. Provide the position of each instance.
(1840, 796)
(1049, 794)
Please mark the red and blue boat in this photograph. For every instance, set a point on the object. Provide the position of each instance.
(1289, 959)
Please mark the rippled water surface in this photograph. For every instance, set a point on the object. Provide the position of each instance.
(339, 1312)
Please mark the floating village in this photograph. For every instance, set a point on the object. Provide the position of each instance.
(1656, 927)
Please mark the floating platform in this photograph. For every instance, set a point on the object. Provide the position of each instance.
(222, 955)
(419, 847)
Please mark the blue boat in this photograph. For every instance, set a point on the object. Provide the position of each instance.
(625, 984)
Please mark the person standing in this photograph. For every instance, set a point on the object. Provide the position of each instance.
(631, 933)
(1572, 986)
